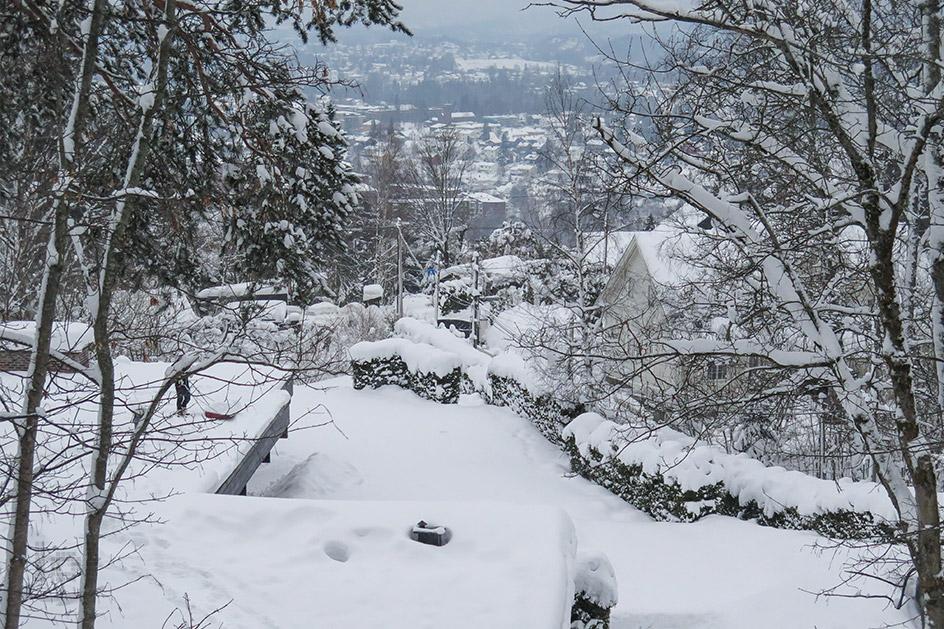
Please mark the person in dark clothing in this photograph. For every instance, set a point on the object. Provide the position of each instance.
(182, 387)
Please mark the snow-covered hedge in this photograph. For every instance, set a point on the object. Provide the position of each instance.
(672, 478)
(513, 384)
(474, 362)
(429, 372)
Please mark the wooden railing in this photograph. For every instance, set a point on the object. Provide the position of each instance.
(235, 483)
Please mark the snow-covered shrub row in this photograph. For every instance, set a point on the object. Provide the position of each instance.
(504, 380)
(514, 384)
(546, 414)
(672, 478)
(427, 371)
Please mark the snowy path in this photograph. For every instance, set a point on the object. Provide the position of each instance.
(719, 573)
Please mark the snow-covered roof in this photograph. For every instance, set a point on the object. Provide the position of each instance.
(662, 249)
(484, 197)
(67, 336)
(656, 247)
(240, 290)
(612, 246)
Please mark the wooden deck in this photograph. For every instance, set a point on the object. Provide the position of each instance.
(235, 483)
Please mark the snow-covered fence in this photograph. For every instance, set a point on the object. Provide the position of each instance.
(672, 478)
(427, 371)
(258, 453)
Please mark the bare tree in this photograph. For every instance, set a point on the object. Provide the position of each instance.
(582, 205)
(386, 171)
(809, 135)
(439, 208)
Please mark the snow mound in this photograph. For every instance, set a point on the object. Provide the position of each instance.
(423, 332)
(419, 357)
(318, 476)
(348, 564)
(596, 580)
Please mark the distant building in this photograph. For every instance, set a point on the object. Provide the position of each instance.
(487, 211)
(72, 341)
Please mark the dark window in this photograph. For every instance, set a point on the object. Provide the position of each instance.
(717, 371)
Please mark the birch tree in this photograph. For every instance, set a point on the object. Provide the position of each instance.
(439, 208)
(582, 204)
(809, 133)
(179, 76)
(60, 197)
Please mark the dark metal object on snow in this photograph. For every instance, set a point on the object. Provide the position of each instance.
(431, 534)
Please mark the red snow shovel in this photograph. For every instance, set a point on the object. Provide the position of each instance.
(209, 414)
(214, 415)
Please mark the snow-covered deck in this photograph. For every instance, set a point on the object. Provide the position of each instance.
(349, 565)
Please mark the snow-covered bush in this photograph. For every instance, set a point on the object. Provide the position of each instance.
(427, 371)
(455, 296)
(356, 322)
(595, 592)
(673, 478)
(512, 237)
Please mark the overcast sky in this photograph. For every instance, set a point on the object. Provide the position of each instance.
(423, 14)
(494, 18)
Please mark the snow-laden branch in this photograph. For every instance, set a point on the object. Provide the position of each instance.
(783, 284)
(740, 347)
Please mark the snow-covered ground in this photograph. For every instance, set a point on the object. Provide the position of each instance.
(719, 573)
(267, 563)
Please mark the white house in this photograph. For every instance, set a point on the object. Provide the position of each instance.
(646, 278)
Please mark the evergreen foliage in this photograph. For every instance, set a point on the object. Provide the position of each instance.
(380, 372)
(289, 215)
(546, 414)
(585, 614)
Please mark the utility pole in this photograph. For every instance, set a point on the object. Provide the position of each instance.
(399, 270)
(436, 269)
(475, 300)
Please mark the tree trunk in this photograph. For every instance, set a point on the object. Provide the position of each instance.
(922, 528)
(49, 292)
(101, 490)
(39, 365)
